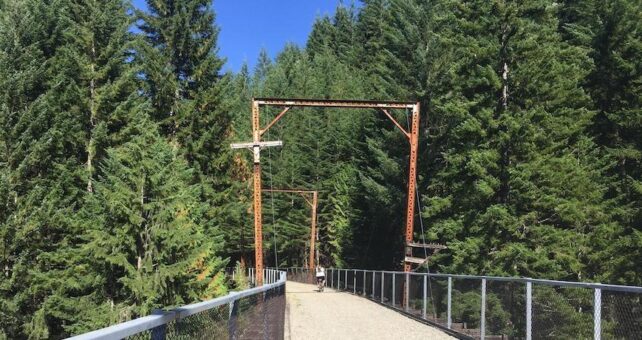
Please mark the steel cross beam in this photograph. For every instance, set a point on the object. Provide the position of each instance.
(359, 104)
(257, 132)
(314, 233)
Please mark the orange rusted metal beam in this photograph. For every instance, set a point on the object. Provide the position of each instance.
(276, 119)
(362, 104)
(394, 121)
(412, 177)
(258, 223)
(313, 231)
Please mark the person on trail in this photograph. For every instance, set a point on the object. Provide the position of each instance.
(320, 277)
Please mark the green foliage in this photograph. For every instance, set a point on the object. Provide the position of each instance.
(119, 193)
(69, 94)
(145, 228)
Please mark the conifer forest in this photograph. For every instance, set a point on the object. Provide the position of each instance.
(120, 194)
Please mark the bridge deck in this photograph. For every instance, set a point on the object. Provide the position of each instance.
(334, 315)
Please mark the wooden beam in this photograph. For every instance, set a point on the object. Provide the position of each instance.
(426, 245)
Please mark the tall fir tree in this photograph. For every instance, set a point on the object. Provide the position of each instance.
(43, 149)
(146, 235)
(184, 84)
(515, 140)
(615, 87)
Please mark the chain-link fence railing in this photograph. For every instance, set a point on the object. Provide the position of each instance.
(484, 307)
(256, 313)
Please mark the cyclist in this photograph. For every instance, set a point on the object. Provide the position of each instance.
(320, 277)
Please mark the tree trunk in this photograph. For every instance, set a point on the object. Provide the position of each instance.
(91, 152)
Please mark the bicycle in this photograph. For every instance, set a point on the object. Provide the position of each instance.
(320, 283)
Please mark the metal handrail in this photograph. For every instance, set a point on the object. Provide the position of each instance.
(604, 286)
(129, 328)
(339, 279)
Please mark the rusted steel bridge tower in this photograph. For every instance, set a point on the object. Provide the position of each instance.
(314, 234)
(384, 106)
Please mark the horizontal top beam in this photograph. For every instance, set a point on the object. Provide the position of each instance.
(296, 191)
(364, 104)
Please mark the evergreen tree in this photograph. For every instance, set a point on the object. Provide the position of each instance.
(515, 143)
(182, 69)
(239, 239)
(22, 56)
(146, 237)
(615, 88)
(43, 147)
(320, 39)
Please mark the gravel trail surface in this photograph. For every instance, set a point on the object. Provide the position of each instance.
(333, 315)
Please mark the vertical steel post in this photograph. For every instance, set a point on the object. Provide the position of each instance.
(354, 282)
(331, 278)
(364, 284)
(393, 289)
(483, 310)
(313, 230)
(597, 314)
(412, 176)
(339, 279)
(374, 276)
(406, 298)
(346, 280)
(450, 294)
(410, 208)
(529, 310)
(258, 223)
(159, 332)
(231, 320)
(383, 278)
(266, 333)
(423, 310)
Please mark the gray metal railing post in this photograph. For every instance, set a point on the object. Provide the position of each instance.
(597, 314)
(364, 284)
(407, 292)
(529, 310)
(346, 280)
(393, 289)
(450, 295)
(423, 310)
(483, 310)
(354, 282)
(383, 278)
(374, 276)
(339, 279)
(231, 320)
(266, 332)
(159, 332)
(331, 272)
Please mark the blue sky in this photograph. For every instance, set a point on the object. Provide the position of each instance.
(247, 26)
